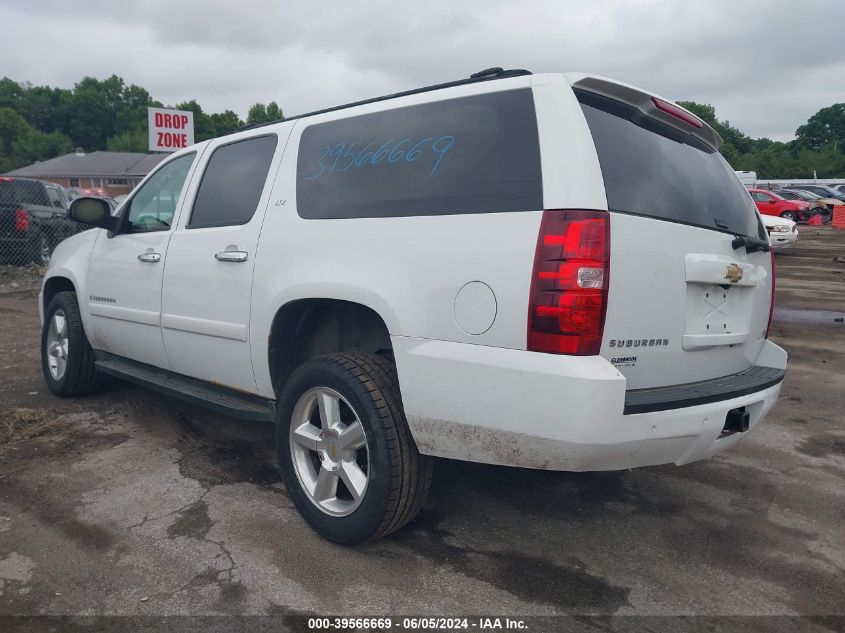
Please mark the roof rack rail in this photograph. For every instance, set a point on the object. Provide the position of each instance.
(483, 75)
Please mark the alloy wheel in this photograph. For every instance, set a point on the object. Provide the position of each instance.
(329, 451)
(57, 345)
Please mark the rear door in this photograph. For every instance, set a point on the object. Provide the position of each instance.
(208, 274)
(684, 305)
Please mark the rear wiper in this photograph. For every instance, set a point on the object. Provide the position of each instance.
(751, 244)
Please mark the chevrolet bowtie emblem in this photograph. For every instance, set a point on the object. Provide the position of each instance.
(733, 272)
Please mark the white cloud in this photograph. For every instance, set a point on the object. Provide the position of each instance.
(765, 67)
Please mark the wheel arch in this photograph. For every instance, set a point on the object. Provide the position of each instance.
(308, 327)
(52, 286)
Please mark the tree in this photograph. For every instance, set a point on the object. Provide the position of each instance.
(21, 144)
(12, 126)
(260, 113)
(203, 125)
(734, 139)
(825, 127)
(40, 122)
(136, 140)
(225, 122)
(35, 145)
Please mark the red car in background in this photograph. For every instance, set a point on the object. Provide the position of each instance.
(770, 203)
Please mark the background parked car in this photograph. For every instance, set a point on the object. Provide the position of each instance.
(810, 198)
(840, 188)
(33, 219)
(818, 204)
(770, 203)
(820, 190)
(96, 192)
(782, 232)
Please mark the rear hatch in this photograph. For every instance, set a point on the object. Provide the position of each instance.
(683, 305)
(10, 201)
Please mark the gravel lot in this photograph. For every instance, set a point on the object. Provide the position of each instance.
(132, 503)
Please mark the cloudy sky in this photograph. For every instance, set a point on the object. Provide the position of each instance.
(766, 65)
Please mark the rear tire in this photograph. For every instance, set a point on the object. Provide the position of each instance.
(67, 359)
(318, 470)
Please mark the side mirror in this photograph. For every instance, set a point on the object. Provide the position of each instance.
(772, 201)
(93, 212)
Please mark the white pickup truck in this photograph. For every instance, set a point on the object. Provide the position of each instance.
(550, 271)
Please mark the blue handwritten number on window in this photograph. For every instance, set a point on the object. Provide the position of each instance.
(414, 153)
(345, 158)
(364, 155)
(326, 149)
(348, 154)
(396, 153)
(381, 153)
(440, 147)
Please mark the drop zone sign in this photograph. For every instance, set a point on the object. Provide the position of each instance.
(170, 129)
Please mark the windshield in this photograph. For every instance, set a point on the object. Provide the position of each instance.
(652, 169)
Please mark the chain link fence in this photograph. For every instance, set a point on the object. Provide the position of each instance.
(33, 220)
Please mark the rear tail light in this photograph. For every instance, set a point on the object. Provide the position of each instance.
(772, 304)
(21, 220)
(568, 297)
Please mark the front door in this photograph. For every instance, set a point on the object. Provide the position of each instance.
(208, 277)
(126, 269)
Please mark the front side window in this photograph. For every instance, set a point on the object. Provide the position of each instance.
(55, 198)
(153, 206)
(233, 181)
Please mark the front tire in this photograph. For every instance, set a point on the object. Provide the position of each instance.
(789, 215)
(345, 451)
(43, 251)
(67, 359)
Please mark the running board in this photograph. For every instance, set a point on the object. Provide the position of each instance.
(214, 397)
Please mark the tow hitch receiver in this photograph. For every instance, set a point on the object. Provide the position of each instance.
(735, 422)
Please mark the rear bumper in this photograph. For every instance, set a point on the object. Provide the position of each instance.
(20, 244)
(519, 408)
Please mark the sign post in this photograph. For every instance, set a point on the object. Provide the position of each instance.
(170, 130)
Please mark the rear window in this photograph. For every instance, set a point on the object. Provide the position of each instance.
(23, 192)
(654, 170)
(477, 154)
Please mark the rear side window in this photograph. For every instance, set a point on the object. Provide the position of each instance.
(654, 170)
(233, 181)
(477, 154)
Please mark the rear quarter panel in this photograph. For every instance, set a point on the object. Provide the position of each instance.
(410, 269)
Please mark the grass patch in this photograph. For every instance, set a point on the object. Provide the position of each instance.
(18, 424)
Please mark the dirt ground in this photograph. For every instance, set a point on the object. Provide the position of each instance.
(131, 503)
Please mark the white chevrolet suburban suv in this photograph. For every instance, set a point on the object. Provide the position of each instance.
(551, 271)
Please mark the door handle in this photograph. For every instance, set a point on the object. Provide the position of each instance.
(151, 258)
(231, 256)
